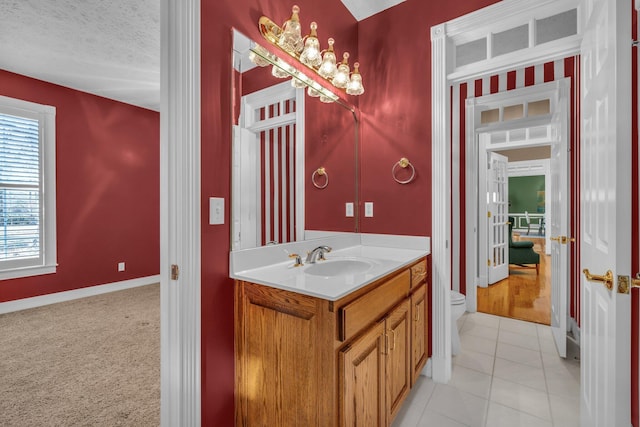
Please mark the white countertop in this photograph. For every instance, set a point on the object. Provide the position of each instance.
(283, 275)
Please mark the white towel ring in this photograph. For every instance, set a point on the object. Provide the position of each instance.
(403, 163)
(318, 173)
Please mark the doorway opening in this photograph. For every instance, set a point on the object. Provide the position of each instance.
(533, 118)
(523, 292)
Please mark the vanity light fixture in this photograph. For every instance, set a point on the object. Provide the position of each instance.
(308, 53)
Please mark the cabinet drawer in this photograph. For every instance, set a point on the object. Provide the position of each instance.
(418, 273)
(365, 310)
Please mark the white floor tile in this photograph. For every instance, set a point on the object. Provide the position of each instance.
(471, 381)
(432, 419)
(503, 416)
(484, 319)
(519, 340)
(520, 373)
(458, 405)
(519, 326)
(565, 411)
(477, 330)
(519, 355)
(548, 346)
(562, 382)
(477, 344)
(555, 363)
(522, 398)
(415, 404)
(544, 331)
(507, 374)
(473, 360)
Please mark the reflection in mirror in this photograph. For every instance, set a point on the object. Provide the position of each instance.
(280, 137)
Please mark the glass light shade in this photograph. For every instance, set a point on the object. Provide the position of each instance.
(279, 72)
(341, 79)
(258, 54)
(354, 87)
(314, 89)
(328, 68)
(291, 37)
(312, 92)
(326, 99)
(311, 54)
(297, 83)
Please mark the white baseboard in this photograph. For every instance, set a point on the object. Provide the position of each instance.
(26, 303)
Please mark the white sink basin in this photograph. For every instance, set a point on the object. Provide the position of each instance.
(338, 267)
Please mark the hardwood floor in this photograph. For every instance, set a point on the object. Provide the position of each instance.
(523, 295)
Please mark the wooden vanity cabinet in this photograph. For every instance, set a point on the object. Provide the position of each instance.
(419, 319)
(306, 361)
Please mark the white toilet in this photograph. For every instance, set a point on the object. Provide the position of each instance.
(458, 307)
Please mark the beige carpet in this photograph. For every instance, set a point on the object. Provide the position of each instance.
(89, 362)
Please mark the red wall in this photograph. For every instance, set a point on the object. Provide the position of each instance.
(395, 53)
(107, 186)
(218, 18)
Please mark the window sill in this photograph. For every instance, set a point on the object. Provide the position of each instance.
(27, 272)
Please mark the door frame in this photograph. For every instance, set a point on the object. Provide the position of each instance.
(180, 226)
(445, 152)
(476, 248)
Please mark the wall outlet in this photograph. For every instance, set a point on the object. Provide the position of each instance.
(216, 210)
(368, 209)
(349, 209)
(121, 266)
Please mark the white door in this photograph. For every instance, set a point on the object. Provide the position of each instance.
(498, 213)
(605, 211)
(558, 225)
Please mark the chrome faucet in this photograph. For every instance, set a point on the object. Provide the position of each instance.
(317, 254)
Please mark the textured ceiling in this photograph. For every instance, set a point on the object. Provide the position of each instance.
(109, 48)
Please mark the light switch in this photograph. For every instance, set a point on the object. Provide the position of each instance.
(216, 210)
(368, 209)
(349, 209)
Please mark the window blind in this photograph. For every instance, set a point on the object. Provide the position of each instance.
(20, 206)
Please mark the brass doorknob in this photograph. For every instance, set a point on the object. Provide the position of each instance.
(606, 279)
(562, 239)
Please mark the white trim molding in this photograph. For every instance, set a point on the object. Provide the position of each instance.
(180, 227)
(89, 291)
(441, 225)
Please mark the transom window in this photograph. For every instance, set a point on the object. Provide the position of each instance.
(27, 189)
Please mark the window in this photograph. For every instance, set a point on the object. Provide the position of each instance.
(27, 189)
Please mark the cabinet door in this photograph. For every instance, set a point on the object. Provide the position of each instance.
(275, 364)
(418, 332)
(398, 367)
(362, 380)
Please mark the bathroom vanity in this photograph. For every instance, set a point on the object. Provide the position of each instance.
(337, 346)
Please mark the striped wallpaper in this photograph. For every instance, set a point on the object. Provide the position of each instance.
(277, 177)
(509, 80)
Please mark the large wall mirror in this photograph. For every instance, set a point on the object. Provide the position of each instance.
(294, 157)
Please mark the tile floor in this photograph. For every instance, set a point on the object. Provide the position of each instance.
(507, 374)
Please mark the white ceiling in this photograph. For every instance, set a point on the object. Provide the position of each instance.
(362, 9)
(108, 48)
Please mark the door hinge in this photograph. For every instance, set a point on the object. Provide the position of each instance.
(175, 272)
(488, 214)
(488, 263)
